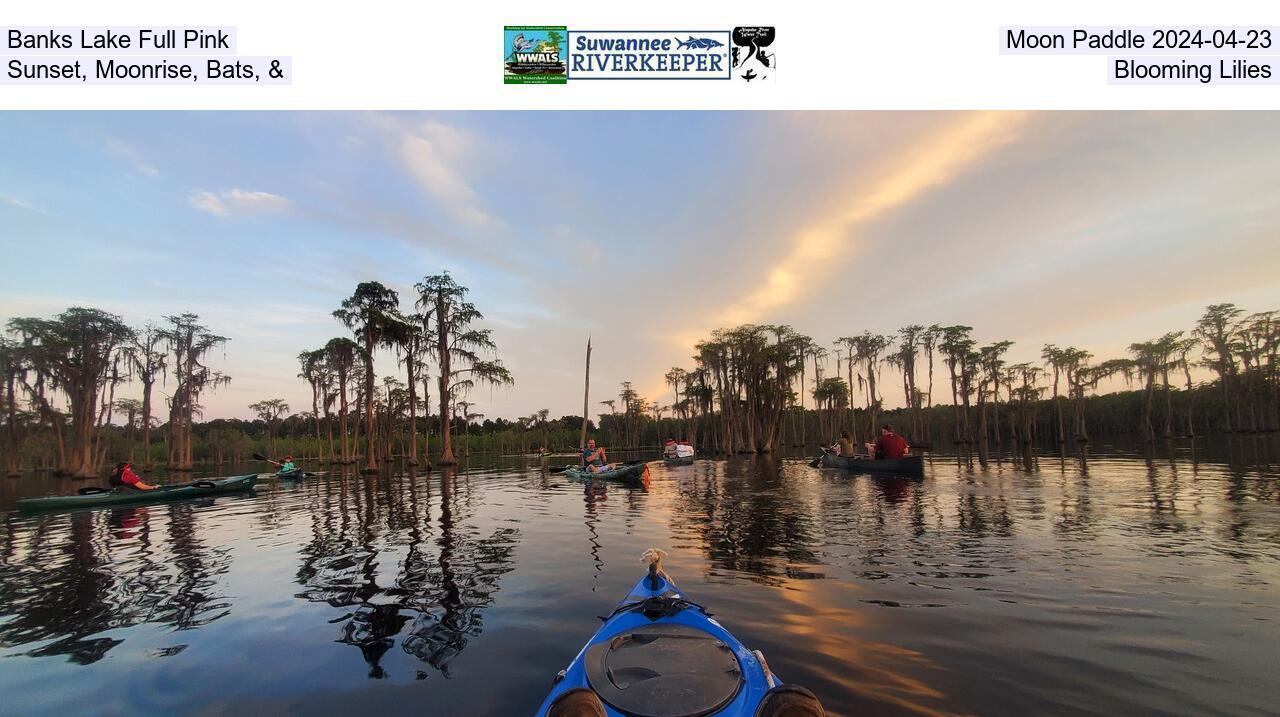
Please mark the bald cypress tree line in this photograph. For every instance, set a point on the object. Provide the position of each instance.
(751, 389)
(748, 389)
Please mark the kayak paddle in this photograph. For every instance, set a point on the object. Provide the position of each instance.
(260, 457)
(100, 491)
(818, 461)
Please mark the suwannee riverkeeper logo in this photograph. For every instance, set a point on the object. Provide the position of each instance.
(555, 54)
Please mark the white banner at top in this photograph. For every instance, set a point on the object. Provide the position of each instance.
(378, 54)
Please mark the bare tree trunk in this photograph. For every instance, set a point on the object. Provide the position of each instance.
(12, 463)
(371, 448)
(586, 394)
(1057, 404)
(426, 411)
(146, 422)
(1191, 429)
(342, 418)
(442, 351)
(1148, 435)
(1167, 431)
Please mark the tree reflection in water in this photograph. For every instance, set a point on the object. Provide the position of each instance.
(749, 518)
(440, 589)
(65, 578)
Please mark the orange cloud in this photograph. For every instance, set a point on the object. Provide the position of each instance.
(932, 162)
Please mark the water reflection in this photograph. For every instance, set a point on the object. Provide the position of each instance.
(750, 517)
(594, 495)
(441, 588)
(1030, 586)
(67, 578)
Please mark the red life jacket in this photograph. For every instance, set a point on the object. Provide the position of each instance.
(124, 478)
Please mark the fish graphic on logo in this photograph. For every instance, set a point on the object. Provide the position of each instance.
(698, 43)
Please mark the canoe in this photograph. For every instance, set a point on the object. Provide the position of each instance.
(297, 473)
(683, 461)
(913, 465)
(659, 654)
(627, 473)
(128, 495)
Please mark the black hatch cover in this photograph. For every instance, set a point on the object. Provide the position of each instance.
(664, 670)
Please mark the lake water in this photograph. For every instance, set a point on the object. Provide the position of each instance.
(1121, 585)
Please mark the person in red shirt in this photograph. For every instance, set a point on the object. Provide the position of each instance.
(124, 477)
(890, 444)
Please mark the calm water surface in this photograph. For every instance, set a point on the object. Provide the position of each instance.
(1124, 585)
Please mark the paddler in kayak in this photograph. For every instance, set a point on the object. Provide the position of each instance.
(288, 465)
(669, 448)
(595, 459)
(124, 477)
(889, 444)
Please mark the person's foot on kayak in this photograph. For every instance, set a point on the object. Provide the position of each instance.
(790, 701)
(578, 702)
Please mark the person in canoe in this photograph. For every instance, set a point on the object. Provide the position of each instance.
(595, 459)
(889, 444)
(845, 447)
(669, 448)
(124, 478)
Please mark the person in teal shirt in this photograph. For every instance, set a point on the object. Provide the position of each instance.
(595, 459)
(288, 466)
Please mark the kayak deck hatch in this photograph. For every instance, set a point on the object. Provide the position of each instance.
(664, 669)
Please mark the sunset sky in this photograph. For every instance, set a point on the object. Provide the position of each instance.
(643, 230)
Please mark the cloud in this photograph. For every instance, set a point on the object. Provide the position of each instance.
(208, 202)
(238, 202)
(932, 162)
(574, 247)
(22, 204)
(433, 154)
(132, 156)
(1072, 228)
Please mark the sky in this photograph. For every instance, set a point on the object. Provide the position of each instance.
(641, 230)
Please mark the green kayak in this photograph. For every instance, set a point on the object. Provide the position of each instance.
(298, 473)
(630, 473)
(126, 496)
(913, 465)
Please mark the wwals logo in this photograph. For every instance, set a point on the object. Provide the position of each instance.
(534, 55)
